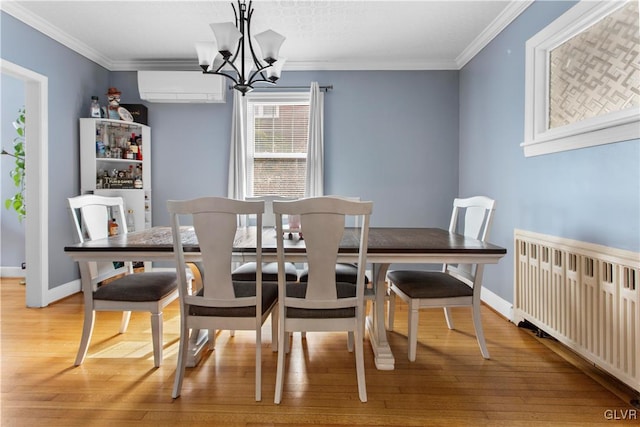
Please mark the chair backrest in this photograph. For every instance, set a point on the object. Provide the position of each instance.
(471, 217)
(91, 215)
(355, 220)
(215, 222)
(268, 218)
(322, 223)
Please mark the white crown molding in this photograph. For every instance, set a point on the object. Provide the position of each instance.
(21, 13)
(189, 65)
(370, 65)
(156, 65)
(511, 12)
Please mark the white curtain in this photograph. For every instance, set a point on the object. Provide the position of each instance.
(237, 160)
(315, 152)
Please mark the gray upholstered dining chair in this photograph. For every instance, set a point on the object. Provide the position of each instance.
(125, 291)
(457, 285)
(222, 303)
(345, 271)
(247, 271)
(322, 303)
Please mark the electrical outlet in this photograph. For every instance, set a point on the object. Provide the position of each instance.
(24, 265)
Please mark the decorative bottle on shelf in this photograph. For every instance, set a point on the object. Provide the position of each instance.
(113, 227)
(131, 223)
(139, 144)
(95, 107)
(134, 147)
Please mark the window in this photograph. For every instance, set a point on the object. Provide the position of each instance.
(582, 78)
(277, 129)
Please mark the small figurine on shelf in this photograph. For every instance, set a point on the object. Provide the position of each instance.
(95, 107)
(113, 95)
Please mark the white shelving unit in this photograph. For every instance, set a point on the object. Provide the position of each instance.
(104, 171)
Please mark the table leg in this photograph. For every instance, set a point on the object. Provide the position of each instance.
(375, 322)
(197, 344)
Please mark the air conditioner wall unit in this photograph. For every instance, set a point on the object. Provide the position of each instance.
(181, 86)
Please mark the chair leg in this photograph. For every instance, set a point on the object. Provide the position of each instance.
(281, 361)
(182, 358)
(87, 331)
(449, 317)
(412, 334)
(477, 324)
(359, 343)
(350, 340)
(258, 361)
(156, 335)
(124, 323)
(274, 330)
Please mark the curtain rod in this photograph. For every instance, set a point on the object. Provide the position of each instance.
(325, 88)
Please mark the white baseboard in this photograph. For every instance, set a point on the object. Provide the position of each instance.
(502, 306)
(63, 291)
(11, 272)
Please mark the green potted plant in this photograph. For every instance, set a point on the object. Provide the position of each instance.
(17, 202)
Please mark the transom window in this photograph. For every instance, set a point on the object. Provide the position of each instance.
(277, 135)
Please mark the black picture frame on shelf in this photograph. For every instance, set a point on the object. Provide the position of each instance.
(139, 113)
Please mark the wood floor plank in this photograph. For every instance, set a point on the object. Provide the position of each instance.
(526, 382)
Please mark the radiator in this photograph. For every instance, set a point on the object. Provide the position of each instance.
(584, 295)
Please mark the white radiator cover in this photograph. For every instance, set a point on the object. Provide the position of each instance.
(586, 296)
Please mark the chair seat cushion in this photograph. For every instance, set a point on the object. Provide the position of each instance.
(299, 290)
(147, 286)
(347, 273)
(247, 272)
(429, 284)
(241, 289)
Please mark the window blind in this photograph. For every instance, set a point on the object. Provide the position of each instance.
(277, 141)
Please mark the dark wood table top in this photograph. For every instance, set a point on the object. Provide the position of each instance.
(383, 240)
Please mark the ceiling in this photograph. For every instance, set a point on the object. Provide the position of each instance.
(321, 34)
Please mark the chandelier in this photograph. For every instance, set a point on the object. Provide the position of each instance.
(234, 56)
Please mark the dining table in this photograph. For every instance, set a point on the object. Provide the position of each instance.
(387, 246)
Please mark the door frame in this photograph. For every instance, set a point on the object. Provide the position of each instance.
(37, 191)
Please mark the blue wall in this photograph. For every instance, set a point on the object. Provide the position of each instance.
(390, 137)
(72, 80)
(410, 141)
(590, 194)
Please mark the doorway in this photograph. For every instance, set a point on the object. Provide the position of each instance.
(36, 190)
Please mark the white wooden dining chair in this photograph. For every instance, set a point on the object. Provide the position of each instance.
(127, 291)
(221, 303)
(247, 271)
(345, 271)
(322, 303)
(457, 285)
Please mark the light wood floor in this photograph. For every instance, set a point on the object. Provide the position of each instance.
(524, 384)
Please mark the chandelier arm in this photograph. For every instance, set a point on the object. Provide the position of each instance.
(240, 26)
(219, 73)
(243, 30)
(235, 13)
(256, 61)
(259, 72)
